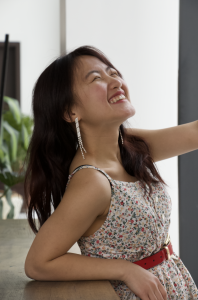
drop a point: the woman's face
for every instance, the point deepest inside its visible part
(94, 84)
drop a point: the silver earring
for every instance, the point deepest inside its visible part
(121, 136)
(79, 137)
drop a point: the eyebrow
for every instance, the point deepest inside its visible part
(95, 71)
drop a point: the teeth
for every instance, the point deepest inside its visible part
(115, 99)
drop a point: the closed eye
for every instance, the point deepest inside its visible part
(114, 74)
(96, 78)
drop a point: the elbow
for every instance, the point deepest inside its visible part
(35, 271)
(29, 271)
(35, 268)
(32, 271)
(34, 274)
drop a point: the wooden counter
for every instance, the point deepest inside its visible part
(16, 238)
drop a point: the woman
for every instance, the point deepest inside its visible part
(117, 208)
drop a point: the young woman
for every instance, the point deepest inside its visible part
(101, 179)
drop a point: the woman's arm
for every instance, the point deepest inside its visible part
(169, 142)
(72, 267)
(87, 196)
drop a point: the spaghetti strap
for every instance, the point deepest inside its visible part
(92, 167)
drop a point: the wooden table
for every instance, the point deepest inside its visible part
(16, 238)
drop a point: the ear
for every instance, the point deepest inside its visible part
(67, 118)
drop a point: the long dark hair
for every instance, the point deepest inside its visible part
(54, 141)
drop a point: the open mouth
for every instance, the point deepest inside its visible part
(117, 98)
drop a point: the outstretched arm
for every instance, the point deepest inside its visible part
(169, 142)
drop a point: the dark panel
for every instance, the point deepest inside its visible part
(188, 112)
(12, 83)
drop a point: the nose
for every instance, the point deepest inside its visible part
(115, 82)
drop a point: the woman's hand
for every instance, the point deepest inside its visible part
(143, 284)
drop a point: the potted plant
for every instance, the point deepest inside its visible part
(16, 130)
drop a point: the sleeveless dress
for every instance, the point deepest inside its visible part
(137, 227)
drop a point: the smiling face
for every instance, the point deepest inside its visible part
(95, 84)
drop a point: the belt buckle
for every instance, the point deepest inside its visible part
(167, 252)
(165, 246)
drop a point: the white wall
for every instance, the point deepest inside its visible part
(141, 39)
(35, 24)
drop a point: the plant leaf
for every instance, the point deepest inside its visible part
(1, 131)
(14, 108)
(6, 157)
(9, 201)
(28, 122)
(4, 166)
(25, 136)
(2, 155)
(14, 134)
(10, 178)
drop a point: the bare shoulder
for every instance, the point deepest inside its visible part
(91, 178)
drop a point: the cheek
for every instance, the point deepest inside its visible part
(98, 92)
(126, 88)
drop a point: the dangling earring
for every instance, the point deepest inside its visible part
(121, 137)
(79, 137)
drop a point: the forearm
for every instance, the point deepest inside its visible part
(72, 267)
(196, 138)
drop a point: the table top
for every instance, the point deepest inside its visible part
(16, 238)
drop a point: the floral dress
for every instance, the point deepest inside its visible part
(137, 227)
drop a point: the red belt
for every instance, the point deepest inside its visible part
(156, 258)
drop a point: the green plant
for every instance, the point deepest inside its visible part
(16, 131)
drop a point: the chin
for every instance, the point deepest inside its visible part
(130, 113)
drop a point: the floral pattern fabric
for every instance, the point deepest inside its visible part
(137, 227)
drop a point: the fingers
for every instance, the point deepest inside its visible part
(153, 297)
(162, 291)
(158, 294)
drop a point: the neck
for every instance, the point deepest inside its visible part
(102, 148)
